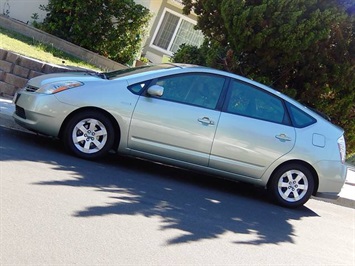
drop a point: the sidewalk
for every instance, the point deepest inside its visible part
(346, 196)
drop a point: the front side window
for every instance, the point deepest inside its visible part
(247, 100)
(175, 30)
(198, 89)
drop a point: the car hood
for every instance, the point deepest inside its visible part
(67, 76)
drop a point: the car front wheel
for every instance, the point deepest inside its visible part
(291, 185)
(89, 135)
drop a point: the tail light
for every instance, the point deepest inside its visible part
(342, 148)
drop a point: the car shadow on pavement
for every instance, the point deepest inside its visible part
(200, 206)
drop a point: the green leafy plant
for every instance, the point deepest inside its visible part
(190, 54)
(144, 60)
(112, 28)
(351, 159)
(35, 18)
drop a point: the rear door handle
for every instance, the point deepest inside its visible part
(283, 137)
(206, 121)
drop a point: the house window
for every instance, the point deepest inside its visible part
(175, 30)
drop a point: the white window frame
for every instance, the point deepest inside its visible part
(181, 18)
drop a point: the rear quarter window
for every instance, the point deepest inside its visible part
(299, 118)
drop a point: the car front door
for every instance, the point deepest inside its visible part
(253, 131)
(181, 123)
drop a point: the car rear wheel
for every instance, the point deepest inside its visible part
(291, 185)
(89, 135)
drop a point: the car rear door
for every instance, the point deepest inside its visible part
(180, 124)
(254, 130)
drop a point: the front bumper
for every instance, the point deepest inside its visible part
(41, 113)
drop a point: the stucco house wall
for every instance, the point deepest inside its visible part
(23, 9)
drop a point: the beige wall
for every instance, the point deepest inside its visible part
(151, 53)
(22, 9)
(152, 5)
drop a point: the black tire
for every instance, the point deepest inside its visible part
(89, 135)
(291, 185)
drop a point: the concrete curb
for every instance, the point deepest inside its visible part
(345, 198)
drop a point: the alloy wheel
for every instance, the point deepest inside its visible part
(293, 185)
(89, 135)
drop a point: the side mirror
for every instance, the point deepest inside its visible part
(156, 91)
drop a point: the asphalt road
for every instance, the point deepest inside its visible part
(58, 209)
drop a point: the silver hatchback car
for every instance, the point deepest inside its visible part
(192, 117)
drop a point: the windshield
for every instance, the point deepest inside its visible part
(135, 70)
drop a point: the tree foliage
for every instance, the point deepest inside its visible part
(190, 54)
(304, 48)
(113, 28)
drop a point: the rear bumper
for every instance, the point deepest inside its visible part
(327, 195)
(332, 176)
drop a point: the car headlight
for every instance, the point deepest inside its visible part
(59, 86)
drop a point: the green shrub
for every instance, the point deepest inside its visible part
(351, 159)
(112, 28)
(189, 54)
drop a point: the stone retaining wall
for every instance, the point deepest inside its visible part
(16, 70)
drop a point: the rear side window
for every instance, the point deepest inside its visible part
(299, 118)
(247, 100)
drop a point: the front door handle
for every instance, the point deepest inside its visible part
(283, 137)
(206, 121)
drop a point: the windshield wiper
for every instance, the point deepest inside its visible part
(97, 74)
